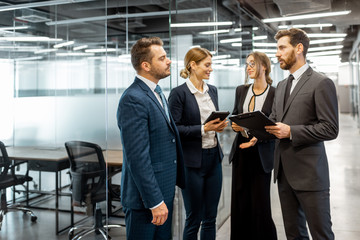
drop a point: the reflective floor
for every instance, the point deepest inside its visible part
(345, 197)
(344, 163)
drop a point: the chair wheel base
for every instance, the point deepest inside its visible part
(33, 218)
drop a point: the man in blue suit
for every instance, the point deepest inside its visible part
(153, 161)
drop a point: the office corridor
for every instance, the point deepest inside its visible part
(344, 163)
(343, 155)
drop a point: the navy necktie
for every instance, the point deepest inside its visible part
(163, 100)
(288, 88)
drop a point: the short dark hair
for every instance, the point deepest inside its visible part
(296, 36)
(140, 51)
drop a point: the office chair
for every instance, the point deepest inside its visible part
(88, 185)
(8, 178)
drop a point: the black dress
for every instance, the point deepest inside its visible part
(251, 174)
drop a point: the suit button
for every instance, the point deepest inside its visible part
(173, 140)
(174, 161)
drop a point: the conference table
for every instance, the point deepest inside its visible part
(54, 159)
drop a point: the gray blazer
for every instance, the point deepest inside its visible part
(312, 113)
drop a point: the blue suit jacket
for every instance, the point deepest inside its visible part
(186, 113)
(152, 155)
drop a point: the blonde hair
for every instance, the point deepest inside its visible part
(260, 59)
(195, 54)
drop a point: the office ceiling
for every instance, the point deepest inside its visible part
(87, 22)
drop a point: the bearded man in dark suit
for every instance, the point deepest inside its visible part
(305, 110)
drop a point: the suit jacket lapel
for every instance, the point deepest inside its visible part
(304, 78)
(213, 99)
(194, 104)
(152, 96)
(268, 103)
(242, 96)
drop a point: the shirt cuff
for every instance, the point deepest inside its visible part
(202, 130)
(152, 208)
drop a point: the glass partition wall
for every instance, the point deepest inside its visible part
(65, 65)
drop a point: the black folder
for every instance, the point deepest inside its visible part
(255, 122)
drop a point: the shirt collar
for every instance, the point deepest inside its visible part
(298, 73)
(194, 90)
(149, 83)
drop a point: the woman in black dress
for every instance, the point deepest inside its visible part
(252, 159)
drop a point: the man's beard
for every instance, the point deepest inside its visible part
(289, 62)
(160, 74)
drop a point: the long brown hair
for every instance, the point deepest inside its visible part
(260, 59)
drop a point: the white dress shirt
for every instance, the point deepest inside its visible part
(152, 86)
(206, 107)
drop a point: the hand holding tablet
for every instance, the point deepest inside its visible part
(217, 114)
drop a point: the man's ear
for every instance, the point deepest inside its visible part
(146, 66)
(299, 48)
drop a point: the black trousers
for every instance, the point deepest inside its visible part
(201, 196)
(250, 199)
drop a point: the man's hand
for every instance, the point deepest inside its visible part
(281, 130)
(160, 214)
(251, 143)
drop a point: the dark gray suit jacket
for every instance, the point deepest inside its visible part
(312, 113)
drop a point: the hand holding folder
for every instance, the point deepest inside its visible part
(255, 122)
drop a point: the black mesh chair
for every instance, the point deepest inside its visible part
(8, 178)
(88, 185)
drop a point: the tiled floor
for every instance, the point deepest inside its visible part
(345, 198)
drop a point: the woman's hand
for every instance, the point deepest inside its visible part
(251, 143)
(215, 125)
(236, 127)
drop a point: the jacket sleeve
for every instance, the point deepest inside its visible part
(326, 108)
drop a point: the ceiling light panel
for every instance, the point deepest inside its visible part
(317, 25)
(305, 16)
(64, 44)
(330, 40)
(201, 24)
(39, 4)
(30, 39)
(326, 35)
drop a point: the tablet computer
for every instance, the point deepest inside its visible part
(217, 114)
